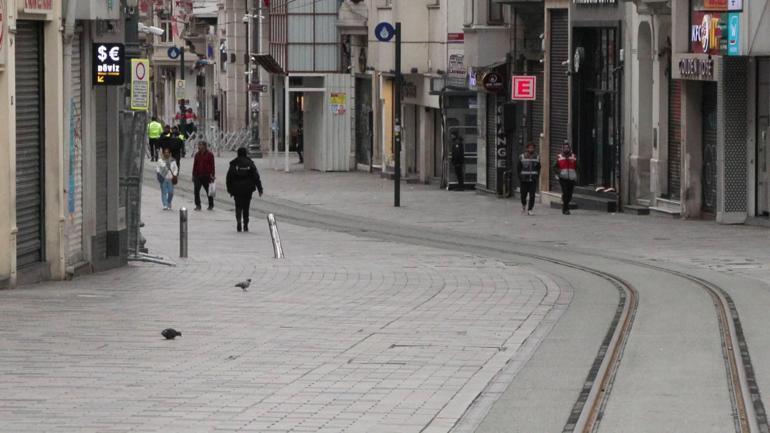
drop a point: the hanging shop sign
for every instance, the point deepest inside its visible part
(707, 32)
(108, 61)
(456, 72)
(524, 88)
(493, 82)
(733, 34)
(734, 5)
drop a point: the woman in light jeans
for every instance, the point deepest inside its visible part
(167, 172)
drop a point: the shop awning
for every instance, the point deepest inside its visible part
(268, 62)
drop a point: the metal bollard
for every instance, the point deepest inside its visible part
(183, 232)
(277, 248)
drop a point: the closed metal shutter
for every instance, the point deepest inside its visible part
(558, 116)
(491, 142)
(674, 138)
(709, 177)
(74, 226)
(30, 200)
(536, 106)
(100, 240)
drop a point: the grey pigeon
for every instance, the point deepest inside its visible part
(171, 333)
(244, 285)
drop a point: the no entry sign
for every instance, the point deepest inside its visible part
(524, 88)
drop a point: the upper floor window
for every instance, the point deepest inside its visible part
(495, 12)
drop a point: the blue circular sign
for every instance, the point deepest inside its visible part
(174, 52)
(384, 32)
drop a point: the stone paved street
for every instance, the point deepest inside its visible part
(346, 334)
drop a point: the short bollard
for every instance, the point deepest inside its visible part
(277, 248)
(183, 232)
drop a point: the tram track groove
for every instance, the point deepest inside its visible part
(748, 409)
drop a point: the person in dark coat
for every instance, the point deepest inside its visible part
(242, 181)
(458, 158)
(529, 174)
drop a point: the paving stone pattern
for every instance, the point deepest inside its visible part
(345, 335)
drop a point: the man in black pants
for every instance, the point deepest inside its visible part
(242, 181)
(566, 171)
(529, 173)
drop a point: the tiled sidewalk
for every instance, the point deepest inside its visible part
(346, 334)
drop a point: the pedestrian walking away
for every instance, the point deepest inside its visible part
(529, 174)
(167, 172)
(154, 132)
(175, 143)
(242, 181)
(458, 159)
(203, 174)
(566, 170)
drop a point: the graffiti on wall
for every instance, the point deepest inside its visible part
(74, 155)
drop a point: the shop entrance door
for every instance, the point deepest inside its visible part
(763, 139)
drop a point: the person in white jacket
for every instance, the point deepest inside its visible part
(167, 172)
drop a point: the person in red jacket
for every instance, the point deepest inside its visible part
(203, 173)
(566, 171)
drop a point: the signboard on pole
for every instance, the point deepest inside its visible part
(108, 64)
(180, 89)
(384, 32)
(140, 84)
(524, 88)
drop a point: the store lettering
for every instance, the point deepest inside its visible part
(706, 33)
(39, 4)
(696, 68)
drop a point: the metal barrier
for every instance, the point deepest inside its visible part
(183, 232)
(218, 141)
(277, 248)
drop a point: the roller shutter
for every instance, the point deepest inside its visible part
(558, 116)
(674, 138)
(709, 177)
(491, 117)
(100, 241)
(30, 200)
(74, 225)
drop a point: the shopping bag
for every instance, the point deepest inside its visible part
(213, 189)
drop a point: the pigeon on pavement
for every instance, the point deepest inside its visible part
(171, 333)
(244, 285)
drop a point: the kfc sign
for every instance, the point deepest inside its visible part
(705, 33)
(524, 88)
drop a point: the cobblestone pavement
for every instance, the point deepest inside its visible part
(346, 334)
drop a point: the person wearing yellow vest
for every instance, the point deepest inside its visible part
(566, 170)
(154, 131)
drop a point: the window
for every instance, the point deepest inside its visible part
(495, 13)
(468, 15)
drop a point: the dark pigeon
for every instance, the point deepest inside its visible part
(171, 333)
(244, 285)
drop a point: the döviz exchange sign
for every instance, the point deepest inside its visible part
(108, 67)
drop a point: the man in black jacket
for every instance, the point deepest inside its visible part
(458, 158)
(242, 181)
(529, 173)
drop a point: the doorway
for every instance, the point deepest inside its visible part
(595, 86)
(763, 141)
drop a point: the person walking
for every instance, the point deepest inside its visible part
(566, 169)
(529, 174)
(176, 145)
(203, 173)
(458, 158)
(167, 172)
(154, 131)
(242, 181)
